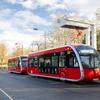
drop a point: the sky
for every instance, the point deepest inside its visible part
(19, 18)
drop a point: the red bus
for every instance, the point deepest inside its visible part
(72, 63)
(18, 64)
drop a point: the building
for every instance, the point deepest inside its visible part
(85, 31)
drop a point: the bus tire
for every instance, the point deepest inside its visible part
(62, 76)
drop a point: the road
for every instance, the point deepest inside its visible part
(24, 87)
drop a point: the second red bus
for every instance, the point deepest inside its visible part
(18, 64)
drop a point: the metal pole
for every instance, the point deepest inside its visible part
(16, 46)
(64, 37)
(22, 49)
(45, 40)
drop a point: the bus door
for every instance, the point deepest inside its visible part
(24, 64)
(18, 65)
(73, 69)
(46, 64)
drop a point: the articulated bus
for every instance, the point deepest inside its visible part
(18, 64)
(72, 63)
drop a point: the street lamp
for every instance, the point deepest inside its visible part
(35, 28)
(45, 43)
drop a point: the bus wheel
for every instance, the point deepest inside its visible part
(62, 76)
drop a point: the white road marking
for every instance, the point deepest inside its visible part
(10, 98)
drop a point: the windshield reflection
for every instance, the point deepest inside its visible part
(90, 61)
(90, 58)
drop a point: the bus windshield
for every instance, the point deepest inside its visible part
(24, 61)
(90, 58)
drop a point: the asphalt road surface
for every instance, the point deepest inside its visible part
(25, 87)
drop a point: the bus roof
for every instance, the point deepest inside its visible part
(56, 49)
(52, 50)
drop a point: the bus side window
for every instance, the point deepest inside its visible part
(62, 59)
(76, 62)
(9, 63)
(13, 64)
(41, 62)
(54, 60)
(35, 61)
(31, 62)
(73, 62)
(18, 63)
(47, 62)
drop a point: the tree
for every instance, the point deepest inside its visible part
(63, 36)
(98, 39)
(3, 54)
(35, 46)
(98, 27)
(18, 50)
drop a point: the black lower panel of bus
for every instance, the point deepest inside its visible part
(48, 70)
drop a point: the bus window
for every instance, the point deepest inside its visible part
(9, 63)
(18, 63)
(90, 61)
(24, 61)
(54, 60)
(35, 61)
(14, 64)
(90, 58)
(41, 62)
(62, 59)
(31, 62)
(73, 62)
(47, 62)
